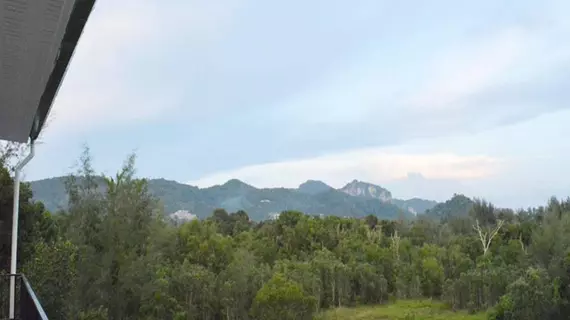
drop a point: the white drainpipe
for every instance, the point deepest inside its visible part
(15, 217)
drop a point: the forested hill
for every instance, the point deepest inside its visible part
(356, 199)
(459, 205)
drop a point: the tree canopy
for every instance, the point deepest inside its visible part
(112, 254)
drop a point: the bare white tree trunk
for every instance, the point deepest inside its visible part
(522, 243)
(486, 236)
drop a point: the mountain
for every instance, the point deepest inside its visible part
(458, 206)
(314, 187)
(367, 190)
(312, 197)
(371, 191)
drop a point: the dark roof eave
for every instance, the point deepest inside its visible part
(77, 20)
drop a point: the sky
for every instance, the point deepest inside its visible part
(424, 98)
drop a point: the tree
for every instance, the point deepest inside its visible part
(53, 272)
(531, 297)
(35, 223)
(239, 284)
(113, 255)
(282, 299)
(194, 288)
(486, 235)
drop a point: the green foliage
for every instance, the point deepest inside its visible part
(282, 299)
(112, 255)
(532, 296)
(458, 206)
(93, 314)
(53, 272)
(35, 224)
(401, 310)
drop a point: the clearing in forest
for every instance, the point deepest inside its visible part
(401, 310)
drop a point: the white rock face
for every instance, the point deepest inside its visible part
(363, 189)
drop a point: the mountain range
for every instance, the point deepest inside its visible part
(355, 199)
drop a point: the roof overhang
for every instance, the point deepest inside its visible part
(37, 41)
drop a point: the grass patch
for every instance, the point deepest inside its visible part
(400, 310)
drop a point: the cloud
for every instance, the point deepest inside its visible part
(142, 60)
(515, 165)
(116, 76)
(377, 165)
(476, 82)
(435, 79)
(472, 68)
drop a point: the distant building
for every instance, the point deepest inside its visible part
(183, 215)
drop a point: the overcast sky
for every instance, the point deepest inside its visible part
(426, 98)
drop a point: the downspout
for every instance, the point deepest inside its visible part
(15, 217)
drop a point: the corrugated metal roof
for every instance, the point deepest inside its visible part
(37, 40)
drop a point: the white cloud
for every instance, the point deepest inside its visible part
(377, 165)
(115, 75)
(435, 84)
(471, 68)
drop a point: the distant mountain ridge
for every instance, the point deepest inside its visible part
(356, 199)
(314, 187)
(367, 190)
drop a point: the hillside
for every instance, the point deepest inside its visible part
(356, 199)
(459, 205)
(367, 190)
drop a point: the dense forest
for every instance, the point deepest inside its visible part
(114, 255)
